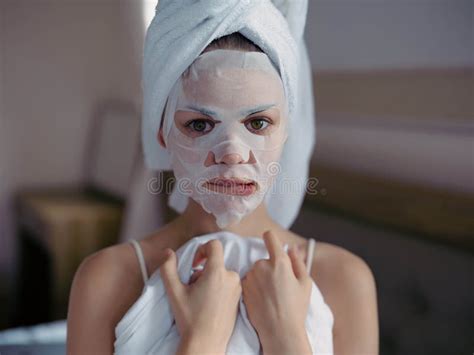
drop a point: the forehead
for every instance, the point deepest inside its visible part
(233, 88)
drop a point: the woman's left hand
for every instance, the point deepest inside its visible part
(276, 293)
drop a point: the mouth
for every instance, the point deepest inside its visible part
(232, 186)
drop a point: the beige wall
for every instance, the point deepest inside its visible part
(388, 34)
(59, 59)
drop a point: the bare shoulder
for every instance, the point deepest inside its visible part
(106, 271)
(348, 287)
(109, 274)
(334, 267)
(338, 267)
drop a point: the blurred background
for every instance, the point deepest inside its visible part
(394, 157)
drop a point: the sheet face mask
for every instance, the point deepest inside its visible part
(230, 87)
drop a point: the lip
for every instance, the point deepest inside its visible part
(232, 186)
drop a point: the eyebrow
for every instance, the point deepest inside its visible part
(257, 109)
(245, 112)
(202, 110)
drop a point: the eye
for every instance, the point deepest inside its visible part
(257, 124)
(199, 126)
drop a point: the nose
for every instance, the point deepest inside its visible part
(229, 159)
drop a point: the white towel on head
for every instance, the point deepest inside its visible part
(179, 32)
(148, 327)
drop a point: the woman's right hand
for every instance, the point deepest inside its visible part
(206, 309)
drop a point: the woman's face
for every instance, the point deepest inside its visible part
(229, 126)
(240, 105)
(253, 99)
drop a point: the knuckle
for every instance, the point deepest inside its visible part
(261, 263)
(234, 276)
(217, 275)
(282, 261)
(307, 280)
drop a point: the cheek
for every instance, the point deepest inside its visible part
(187, 155)
(266, 157)
(275, 155)
(184, 148)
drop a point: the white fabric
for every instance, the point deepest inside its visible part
(148, 326)
(141, 258)
(177, 35)
(44, 333)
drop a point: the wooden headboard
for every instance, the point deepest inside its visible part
(424, 96)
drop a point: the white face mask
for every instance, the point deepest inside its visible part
(226, 118)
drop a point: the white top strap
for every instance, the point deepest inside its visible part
(309, 257)
(141, 259)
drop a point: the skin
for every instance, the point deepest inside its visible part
(208, 305)
(276, 291)
(345, 280)
(286, 287)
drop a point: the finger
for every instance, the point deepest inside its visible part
(169, 274)
(212, 251)
(199, 257)
(195, 276)
(273, 244)
(297, 263)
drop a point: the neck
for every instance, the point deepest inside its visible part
(196, 221)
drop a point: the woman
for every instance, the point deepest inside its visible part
(276, 291)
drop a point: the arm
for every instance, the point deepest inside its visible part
(277, 294)
(352, 297)
(206, 308)
(349, 289)
(191, 345)
(294, 341)
(92, 317)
